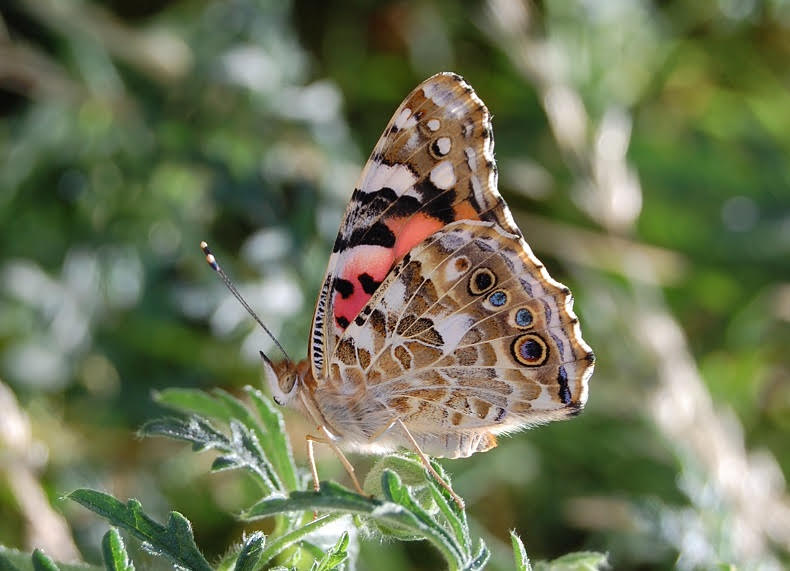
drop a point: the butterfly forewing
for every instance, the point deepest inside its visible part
(433, 165)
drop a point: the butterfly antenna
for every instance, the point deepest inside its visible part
(212, 261)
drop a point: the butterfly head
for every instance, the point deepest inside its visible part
(283, 379)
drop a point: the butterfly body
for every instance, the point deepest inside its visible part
(435, 315)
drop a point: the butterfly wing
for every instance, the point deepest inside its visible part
(467, 337)
(432, 166)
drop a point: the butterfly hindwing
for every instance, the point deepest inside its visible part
(467, 337)
(432, 166)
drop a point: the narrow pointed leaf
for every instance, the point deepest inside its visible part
(331, 497)
(195, 430)
(519, 553)
(221, 463)
(174, 541)
(277, 446)
(251, 552)
(461, 514)
(245, 444)
(480, 559)
(454, 522)
(398, 493)
(42, 562)
(114, 552)
(334, 557)
(241, 450)
(284, 542)
(241, 414)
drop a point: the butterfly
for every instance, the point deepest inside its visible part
(436, 327)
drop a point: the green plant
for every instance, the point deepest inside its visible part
(407, 505)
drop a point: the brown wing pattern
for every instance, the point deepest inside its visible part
(467, 337)
(433, 165)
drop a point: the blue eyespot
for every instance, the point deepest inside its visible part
(523, 317)
(498, 298)
(530, 350)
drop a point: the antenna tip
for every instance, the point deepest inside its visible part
(210, 259)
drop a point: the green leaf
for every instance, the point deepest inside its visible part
(519, 553)
(395, 491)
(580, 561)
(334, 557)
(193, 401)
(241, 450)
(422, 487)
(276, 445)
(114, 552)
(5, 562)
(284, 542)
(196, 430)
(412, 473)
(251, 552)
(330, 497)
(241, 414)
(15, 560)
(41, 562)
(175, 540)
(401, 512)
(479, 561)
(453, 516)
(415, 508)
(246, 449)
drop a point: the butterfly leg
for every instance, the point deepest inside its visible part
(339, 453)
(376, 435)
(309, 438)
(427, 463)
(311, 459)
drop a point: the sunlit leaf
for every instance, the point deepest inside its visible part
(174, 540)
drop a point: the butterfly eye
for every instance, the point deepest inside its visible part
(530, 350)
(481, 281)
(523, 317)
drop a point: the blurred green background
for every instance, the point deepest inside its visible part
(644, 147)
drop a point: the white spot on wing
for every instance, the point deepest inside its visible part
(544, 401)
(453, 329)
(395, 295)
(436, 93)
(405, 119)
(443, 175)
(434, 124)
(451, 272)
(471, 158)
(453, 241)
(443, 145)
(413, 142)
(364, 338)
(397, 177)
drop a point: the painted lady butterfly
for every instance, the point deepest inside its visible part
(436, 327)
